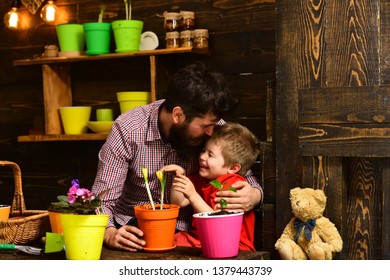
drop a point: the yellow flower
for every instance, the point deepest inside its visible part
(145, 174)
(160, 175)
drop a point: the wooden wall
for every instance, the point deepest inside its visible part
(332, 116)
(242, 42)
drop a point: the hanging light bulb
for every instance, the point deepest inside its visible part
(48, 12)
(11, 19)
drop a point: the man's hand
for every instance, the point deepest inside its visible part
(128, 238)
(176, 169)
(246, 197)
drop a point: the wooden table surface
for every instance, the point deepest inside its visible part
(179, 253)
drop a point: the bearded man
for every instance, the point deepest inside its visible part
(169, 131)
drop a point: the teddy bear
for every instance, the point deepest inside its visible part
(308, 235)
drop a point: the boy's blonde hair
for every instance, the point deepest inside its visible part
(238, 145)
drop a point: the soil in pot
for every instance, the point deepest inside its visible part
(222, 212)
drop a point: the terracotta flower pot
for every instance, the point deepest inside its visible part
(4, 212)
(158, 226)
(55, 222)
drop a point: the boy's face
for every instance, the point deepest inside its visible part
(211, 161)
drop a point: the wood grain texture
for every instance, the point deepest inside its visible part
(335, 50)
(356, 53)
(384, 47)
(287, 54)
(385, 246)
(178, 253)
(364, 221)
(355, 105)
(57, 92)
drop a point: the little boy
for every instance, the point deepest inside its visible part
(227, 156)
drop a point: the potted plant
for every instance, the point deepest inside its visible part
(98, 35)
(127, 33)
(219, 232)
(157, 221)
(82, 224)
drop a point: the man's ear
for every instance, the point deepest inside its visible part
(234, 168)
(178, 115)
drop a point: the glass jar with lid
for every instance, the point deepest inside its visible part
(171, 21)
(186, 38)
(187, 20)
(201, 38)
(172, 39)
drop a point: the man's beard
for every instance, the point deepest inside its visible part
(187, 147)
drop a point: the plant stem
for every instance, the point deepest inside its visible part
(150, 195)
(145, 175)
(162, 199)
(127, 9)
(102, 8)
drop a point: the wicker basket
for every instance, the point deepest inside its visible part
(23, 226)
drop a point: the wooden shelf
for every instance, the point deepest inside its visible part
(57, 88)
(40, 61)
(62, 137)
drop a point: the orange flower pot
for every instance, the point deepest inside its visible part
(158, 226)
(55, 222)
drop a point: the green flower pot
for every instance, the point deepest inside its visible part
(127, 34)
(71, 37)
(97, 37)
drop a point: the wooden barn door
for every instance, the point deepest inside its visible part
(333, 115)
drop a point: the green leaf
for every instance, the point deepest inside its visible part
(223, 203)
(217, 184)
(62, 204)
(63, 198)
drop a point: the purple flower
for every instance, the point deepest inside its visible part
(76, 183)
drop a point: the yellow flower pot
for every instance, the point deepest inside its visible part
(83, 235)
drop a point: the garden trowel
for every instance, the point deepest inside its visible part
(27, 249)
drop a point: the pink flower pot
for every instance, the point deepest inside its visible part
(219, 234)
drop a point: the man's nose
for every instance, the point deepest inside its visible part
(209, 130)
